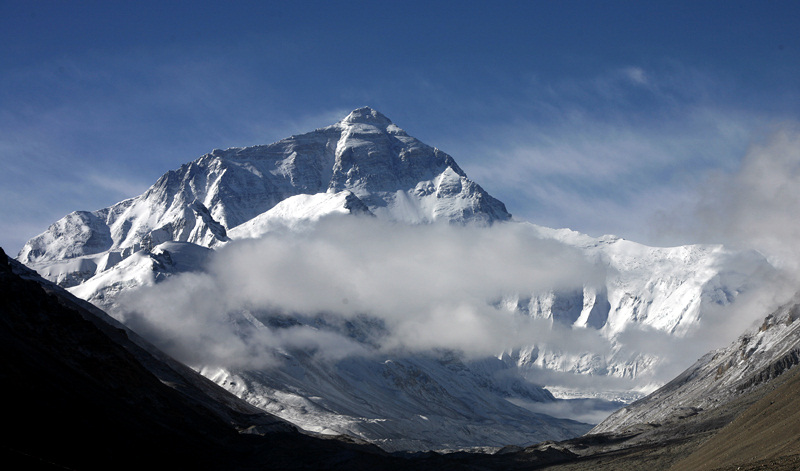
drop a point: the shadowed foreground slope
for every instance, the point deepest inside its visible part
(86, 396)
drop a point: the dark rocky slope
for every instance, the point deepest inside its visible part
(81, 394)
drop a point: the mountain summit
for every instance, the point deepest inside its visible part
(388, 173)
(367, 115)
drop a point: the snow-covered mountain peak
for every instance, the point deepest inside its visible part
(367, 115)
(393, 175)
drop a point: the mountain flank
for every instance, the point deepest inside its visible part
(737, 408)
(766, 434)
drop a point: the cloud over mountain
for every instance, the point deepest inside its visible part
(428, 284)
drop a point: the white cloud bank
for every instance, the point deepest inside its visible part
(426, 287)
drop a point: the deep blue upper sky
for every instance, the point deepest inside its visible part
(589, 115)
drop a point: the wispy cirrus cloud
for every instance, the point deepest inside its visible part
(606, 153)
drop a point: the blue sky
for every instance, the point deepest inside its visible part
(599, 116)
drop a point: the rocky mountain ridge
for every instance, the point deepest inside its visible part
(759, 355)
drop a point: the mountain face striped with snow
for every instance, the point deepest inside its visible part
(383, 170)
(365, 165)
(661, 289)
